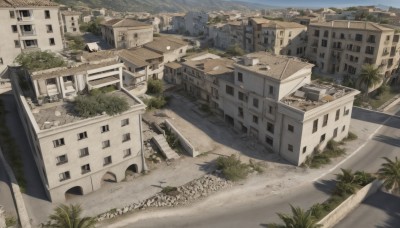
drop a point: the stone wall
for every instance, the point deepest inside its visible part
(349, 204)
(2, 217)
(184, 142)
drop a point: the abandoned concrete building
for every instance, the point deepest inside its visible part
(75, 154)
(272, 98)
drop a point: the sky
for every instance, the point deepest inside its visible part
(326, 3)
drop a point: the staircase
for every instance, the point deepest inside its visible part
(165, 149)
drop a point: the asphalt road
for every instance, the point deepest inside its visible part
(385, 143)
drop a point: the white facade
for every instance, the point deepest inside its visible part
(70, 22)
(76, 155)
(27, 28)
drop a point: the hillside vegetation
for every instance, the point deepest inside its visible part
(155, 6)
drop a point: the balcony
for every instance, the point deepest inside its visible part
(28, 33)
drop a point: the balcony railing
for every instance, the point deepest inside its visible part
(28, 33)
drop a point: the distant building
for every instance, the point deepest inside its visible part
(278, 37)
(273, 100)
(341, 48)
(70, 21)
(126, 33)
(192, 23)
(74, 154)
(28, 25)
(226, 35)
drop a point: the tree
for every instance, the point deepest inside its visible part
(154, 87)
(346, 183)
(69, 217)
(235, 50)
(39, 60)
(298, 219)
(346, 176)
(390, 174)
(369, 77)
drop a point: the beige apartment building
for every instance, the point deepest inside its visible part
(70, 21)
(74, 154)
(126, 33)
(341, 48)
(278, 37)
(272, 99)
(28, 25)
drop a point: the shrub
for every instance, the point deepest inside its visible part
(235, 50)
(88, 106)
(154, 87)
(75, 42)
(232, 168)
(256, 166)
(39, 60)
(363, 178)
(168, 190)
(156, 102)
(320, 159)
(351, 136)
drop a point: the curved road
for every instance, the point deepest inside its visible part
(384, 143)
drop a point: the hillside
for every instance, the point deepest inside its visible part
(161, 5)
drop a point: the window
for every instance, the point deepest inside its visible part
(127, 153)
(14, 28)
(271, 90)
(326, 33)
(240, 77)
(343, 128)
(105, 128)
(359, 37)
(304, 149)
(290, 147)
(337, 115)
(269, 140)
(255, 102)
(324, 43)
(335, 132)
(30, 43)
(290, 128)
(64, 176)
(322, 138)
(17, 43)
(346, 111)
(107, 160)
(229, 90)
(52, 42)
(315, 126)
(85, 168)
(49, 29)
(371, 39)
(124, 122)
(126, 137)
(316, 33)
(82, 135)
(106, 144)
(84, 152)
(1, 60)
(241, 96)
(61, 159)
(47, 14)
(270, 127)
(270, 109)
(12, 14)
(240, 112)
(369, 50)
(58, 142)
(255, 119)
(325, 122)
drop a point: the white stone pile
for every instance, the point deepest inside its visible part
(183, 195)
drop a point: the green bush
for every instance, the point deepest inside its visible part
(319, 159)
(154, 87)
(75, 42)
(89, 106)
(232, 168)
(11, 221)
(168, 190)
(351, 136)
(39, 60)
(156, 102)
(235, 50)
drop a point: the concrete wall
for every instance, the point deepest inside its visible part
(2, 217)
(184, 142)
(349, 204)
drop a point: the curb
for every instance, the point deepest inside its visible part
(19, 201)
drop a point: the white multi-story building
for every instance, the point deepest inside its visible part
(74, 154)
(71, 21)
(272, 99)
(28, 25)
(341, 48)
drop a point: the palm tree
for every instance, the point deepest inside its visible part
(346, 182)
(390, 174)
(346, 176)
(69, 217)
(299, 219)
(369, 77)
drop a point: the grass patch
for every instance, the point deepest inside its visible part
(39, 60)
(232, 168)
(11, 221)
(158, 102)
(93, 105)
(332, 150)
(350, 137)
(171, 191)
(256, 166)
(378, 100)
(11, 150)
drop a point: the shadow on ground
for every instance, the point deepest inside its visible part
(375, 117)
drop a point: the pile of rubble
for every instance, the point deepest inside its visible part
(182, 195)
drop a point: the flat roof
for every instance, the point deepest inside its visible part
(173, 65)
(316, 94)
(63, 112)
(212, 66)
(274, 66)
(125, 22)
(347, 24)
(165, 44)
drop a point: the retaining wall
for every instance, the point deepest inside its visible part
(184, 142)
(349, 204)
(2, 217)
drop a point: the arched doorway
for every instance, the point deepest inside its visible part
(73, 192)
(109, 177)
(130, 172)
